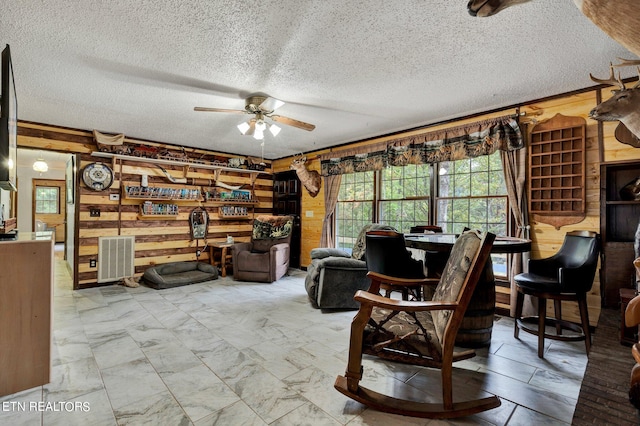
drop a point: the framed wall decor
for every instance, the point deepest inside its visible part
(97, 176)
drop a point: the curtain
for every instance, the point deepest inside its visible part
(331, 190)
(455, 143)
(514, 165)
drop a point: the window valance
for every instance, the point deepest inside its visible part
(455, 143)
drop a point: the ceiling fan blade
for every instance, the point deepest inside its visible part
(292, 122)
(270, 104)
(235, 111)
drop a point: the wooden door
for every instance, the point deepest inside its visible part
(49, 206)
(287, 199)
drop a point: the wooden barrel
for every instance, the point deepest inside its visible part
(476, 327)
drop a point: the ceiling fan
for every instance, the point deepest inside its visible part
(261, 107)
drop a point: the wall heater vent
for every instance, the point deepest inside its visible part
(115, 258)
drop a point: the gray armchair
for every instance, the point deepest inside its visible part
(266, 257)
(334, 276)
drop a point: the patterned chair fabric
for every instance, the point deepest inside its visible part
(422, 332)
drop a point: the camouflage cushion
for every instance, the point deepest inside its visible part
(271, 227)
(418, 329)
(453, 276)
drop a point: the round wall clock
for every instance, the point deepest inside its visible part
(97, 176)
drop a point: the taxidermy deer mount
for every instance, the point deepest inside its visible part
(310, 178)
(620, 19)
(624, 105)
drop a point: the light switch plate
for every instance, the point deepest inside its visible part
(114, 197)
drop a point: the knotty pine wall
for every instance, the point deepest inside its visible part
(546, 240)
(156, 241)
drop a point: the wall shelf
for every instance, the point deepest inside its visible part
(158, 210)
(161, 193)
(557, 175)
(157, 216)
(231, 201)
(618, 226)
(177, 163)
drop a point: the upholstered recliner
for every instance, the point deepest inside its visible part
(334, 276)
(266, 257)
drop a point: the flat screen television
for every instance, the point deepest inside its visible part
(8, 125)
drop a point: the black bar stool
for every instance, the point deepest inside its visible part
(567, 275)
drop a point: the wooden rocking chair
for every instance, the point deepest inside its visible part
(421, 333)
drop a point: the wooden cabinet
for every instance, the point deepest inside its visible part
(26, 286)
(618, 224)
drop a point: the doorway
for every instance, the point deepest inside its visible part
(48, 207)
(287, 200)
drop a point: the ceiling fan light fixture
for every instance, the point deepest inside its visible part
(274, 129)
(40, 166)
(243, 127)
(260, 125)
(258, 134)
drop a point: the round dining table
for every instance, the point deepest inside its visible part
(477, 325)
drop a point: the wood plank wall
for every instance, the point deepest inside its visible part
(546, 239)
(156, 241)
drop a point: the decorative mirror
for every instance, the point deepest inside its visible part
(199, 223)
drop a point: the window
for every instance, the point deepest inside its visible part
(404, 196)
(354, 208)
(47, 199)
(470, 193)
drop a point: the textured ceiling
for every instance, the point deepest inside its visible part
(355, 69)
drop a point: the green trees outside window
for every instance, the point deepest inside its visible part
(452, 194)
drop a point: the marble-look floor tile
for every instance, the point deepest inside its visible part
(306, 415)
(15, 409)
(131, 382)
(339, 407)
(72, 380)
(526, 417)
(556, 383)
(533, 397)
(157, 409)
(116, 348)
(91, 409)
(269, 397)
(238, 414)
(199, 391)
(231, 353)
(171, 357)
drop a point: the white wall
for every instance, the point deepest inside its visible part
(70, 228)
(5, 201)
(26, 173)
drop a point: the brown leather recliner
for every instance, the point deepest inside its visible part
(266, 257)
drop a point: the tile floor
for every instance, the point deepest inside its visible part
(236, 353)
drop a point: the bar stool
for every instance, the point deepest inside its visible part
(567, 275)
